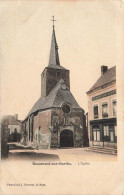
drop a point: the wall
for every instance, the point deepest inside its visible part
(48, 124)
(74, 121)
(99, 102)
(41, 137)
(108, 99)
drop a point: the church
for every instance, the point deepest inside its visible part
(56, 120)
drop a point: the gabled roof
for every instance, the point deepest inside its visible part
(55, 98)
(108, 77)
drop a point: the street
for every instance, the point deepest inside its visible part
(19, 152)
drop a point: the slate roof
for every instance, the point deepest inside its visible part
(54, 61)
(108, 77)
(55, 98)
(54, 56)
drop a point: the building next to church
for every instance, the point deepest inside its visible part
(10, 132)
(56, 119)
(14, 127)
(102, 115)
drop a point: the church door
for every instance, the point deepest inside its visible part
(66, 138)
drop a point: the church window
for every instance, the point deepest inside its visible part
(66, 108)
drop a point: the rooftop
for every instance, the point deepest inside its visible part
(56, 97)
(108, 77)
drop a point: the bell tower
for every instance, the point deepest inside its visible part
(54, 71)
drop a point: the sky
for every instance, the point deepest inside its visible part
(87, 36)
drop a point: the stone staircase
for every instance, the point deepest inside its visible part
(107, 150)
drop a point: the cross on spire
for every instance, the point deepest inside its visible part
(54, 56)
(53, 21)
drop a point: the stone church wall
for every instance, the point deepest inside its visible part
(41, 131)
(48, 125)
(74, 121)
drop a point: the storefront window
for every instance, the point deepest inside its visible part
(111, 133)
(115, 134)
(106, 133)
(115, 130)
(96, 133)
(112, 136)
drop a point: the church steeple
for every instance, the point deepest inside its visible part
(54, 72)
(54, 56)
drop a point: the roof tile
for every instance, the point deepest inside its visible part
(107, 77)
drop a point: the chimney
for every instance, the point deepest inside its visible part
(16, 116)
(103, 69)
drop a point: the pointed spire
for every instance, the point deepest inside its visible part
(54, 56)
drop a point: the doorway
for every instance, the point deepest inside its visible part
(66, 138)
